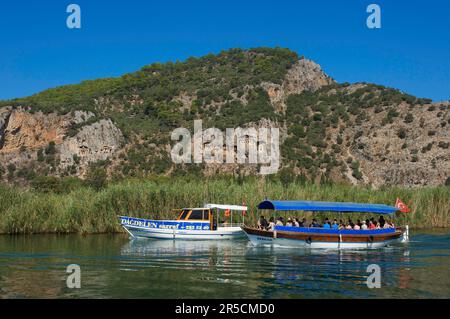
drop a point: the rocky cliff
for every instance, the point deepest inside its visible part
(27, 138)
(360, 133)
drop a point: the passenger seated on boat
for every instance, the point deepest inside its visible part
(377, 226)
(335, 225)
(262, 223)
(388, 225)
(381, 221)
(271, 224)
(359, 223)
(350, 222)
(348, 226)
(289, 222)
(314, 223)
(296, 222)
(363, 225)
(279, 221)
(326, 224)
(371, 225)
(356, 227)
(303, 223)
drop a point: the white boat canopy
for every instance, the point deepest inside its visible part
(230, 207)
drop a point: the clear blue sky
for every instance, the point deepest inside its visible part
(410, 52)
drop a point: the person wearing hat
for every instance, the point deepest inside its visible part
(363, 225)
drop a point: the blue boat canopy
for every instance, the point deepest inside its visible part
(327, 206)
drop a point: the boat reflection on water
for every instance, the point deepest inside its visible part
(338, 273)
(181, 254)
(294, 272)
(146, 247)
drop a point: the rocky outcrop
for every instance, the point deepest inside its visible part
(409, 154)
(305, 75)
(96, 142)
(23, 134)
(5, 113)
(21, 130)
(360, 133)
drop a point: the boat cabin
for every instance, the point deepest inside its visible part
(211, 213)
(198, 215)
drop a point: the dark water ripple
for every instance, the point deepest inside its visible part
(114, 266)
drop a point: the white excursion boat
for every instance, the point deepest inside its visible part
(192, 223)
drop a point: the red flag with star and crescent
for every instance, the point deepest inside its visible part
(402, 206)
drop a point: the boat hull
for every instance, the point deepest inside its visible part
(322, 240)
(222, 233)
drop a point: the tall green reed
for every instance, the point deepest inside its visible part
(85, 210)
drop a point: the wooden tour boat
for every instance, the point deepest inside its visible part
(313, 237)
(192, 223)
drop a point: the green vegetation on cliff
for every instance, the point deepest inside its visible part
(356, 133)
(211, 77)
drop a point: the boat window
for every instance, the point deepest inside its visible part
(184, 214)
(199, 215)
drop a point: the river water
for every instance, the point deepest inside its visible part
(113, 266)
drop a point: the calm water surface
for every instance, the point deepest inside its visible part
(115, 267)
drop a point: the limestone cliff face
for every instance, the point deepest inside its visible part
(23, 134)
(93, 143)
(361, 134)
(305, 75)
(5, 113)
(410, 154)
(20, 129)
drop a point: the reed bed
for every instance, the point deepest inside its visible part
(86, 211)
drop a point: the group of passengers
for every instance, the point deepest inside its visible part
(326, 224)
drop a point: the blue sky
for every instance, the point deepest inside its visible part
(410, 52)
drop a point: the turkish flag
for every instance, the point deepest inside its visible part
(402, 206)
(244, 212)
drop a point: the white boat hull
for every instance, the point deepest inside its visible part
(222, 233)
(292, 243)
